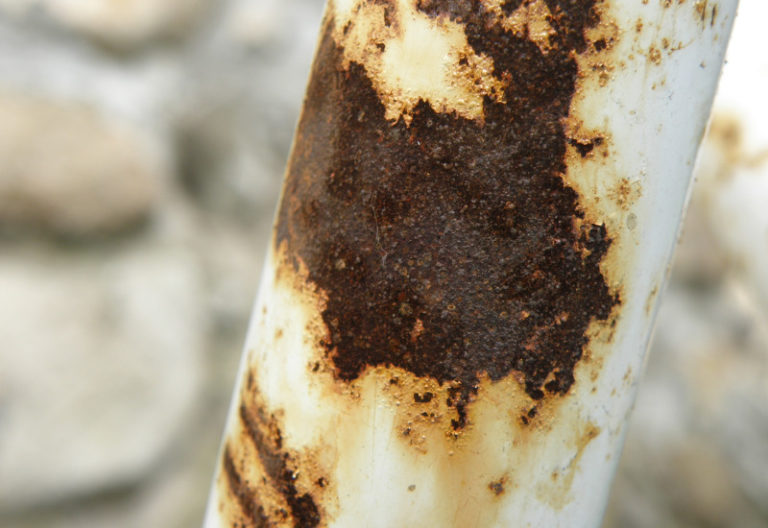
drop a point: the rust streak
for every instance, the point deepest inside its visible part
(245, 496)
(276, 466)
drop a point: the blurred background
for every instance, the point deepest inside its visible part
(142, 145)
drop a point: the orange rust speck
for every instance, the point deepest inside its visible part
(654, 55)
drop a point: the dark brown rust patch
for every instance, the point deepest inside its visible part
(528, 416)
(497, 487)
(585, 147)
(449, 247)
(600, 44)
(423, 398)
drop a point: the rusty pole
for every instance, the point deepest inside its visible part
(476, 221)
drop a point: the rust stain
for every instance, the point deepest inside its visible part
(627, 379)
(267, 439)
(253, 512)
(706, 11)
(450, 265)
(558, 492)
(651, 301)
(445, 226)
(625, 193)
(409, 57)
(701, 8)
(497, 486)
(585, 146)
(526, 19)
(654, 55)
(263, 475)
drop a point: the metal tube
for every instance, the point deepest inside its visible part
(476, 221)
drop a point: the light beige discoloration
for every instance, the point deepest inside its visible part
(558, 492)
(409, 57)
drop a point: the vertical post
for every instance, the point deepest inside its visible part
(476, 221)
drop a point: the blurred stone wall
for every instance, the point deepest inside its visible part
(142, 145)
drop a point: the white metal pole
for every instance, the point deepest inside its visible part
(477, 218)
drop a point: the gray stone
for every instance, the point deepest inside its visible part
(695, 451)
(102, 361)
(121, 24)
(65, 168)
(235, 127)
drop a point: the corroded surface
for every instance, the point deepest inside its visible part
(266, 486)
(448, 271)
(449, 246)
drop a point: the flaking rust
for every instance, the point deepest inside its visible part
(447, 272)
